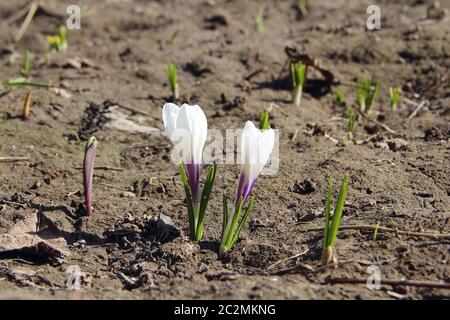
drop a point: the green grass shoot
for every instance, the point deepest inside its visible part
(259, 19)
(26, 63)
(394, 95)
(340, 97)
(298, 74)
(302, 4)
(264, 120)
(366, 93)
(58, 42)
(375, 232)
(332, 222)
(171, 74)
(352, 121)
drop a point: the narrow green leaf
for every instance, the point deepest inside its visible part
(264, 120)
(225, 216)
(328, 212)
(372, 94)
(204, 200)
(375, 232)
(21, 82)
(243, 221)
(26, 62)
(337, 215)
(237, 213)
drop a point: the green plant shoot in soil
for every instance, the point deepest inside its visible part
(394, 95)
(352, 121)
(264, 120)
(58, 42)
(171, 74)
(259, 19)
(340, 97)
(332, 222)
(366, 93)
(298, 74)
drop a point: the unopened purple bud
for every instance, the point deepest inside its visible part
(88, 172)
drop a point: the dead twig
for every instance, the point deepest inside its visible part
(392, 282)
(382, 125)
(287, 259)
(13, 159)
(23, 28)
(298, 266)
(19, 14)
(367, 227)
(417, 109)
(14, 203)
(294, 136)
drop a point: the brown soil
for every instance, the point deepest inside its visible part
(399, 180)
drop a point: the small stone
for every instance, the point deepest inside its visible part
(127, 194)
(304, 187)
(36, 185)
(397, 144)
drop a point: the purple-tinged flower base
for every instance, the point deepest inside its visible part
(88, 175)
(244, 188)
(193, 174)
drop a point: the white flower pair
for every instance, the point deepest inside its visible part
(189, 123)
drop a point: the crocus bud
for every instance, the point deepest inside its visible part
(256, 147)
(88, 172)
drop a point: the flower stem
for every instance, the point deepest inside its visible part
(298, 95)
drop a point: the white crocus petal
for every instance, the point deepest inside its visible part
(186, 125)
(256, 147)
(170, 114)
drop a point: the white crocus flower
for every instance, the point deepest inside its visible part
(187, 126)
(256, 147)
(188, 123)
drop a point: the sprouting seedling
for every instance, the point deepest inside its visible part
(366, 93)
(394, 95)
(352, 121)
(171, 74)
(332, 222)
(58, 42)
(259, 19)
(264, 120)
(256, 144)
(375, 232)
(26, 64)
(88, 172)
(26, 106)
(340, 97)
(302, 6)
(298, 74)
